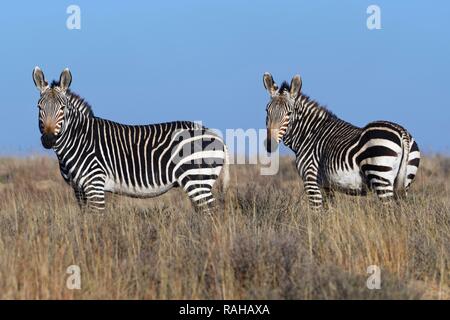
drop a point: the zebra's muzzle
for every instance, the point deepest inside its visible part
(48, 140)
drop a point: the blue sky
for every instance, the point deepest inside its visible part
(148, 62)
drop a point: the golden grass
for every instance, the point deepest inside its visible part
(264, 242)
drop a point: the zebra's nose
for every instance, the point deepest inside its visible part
(48, 140)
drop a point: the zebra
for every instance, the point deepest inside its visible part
(96, 155)
(334, 155)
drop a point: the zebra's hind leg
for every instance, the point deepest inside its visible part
(199, 191)
(197, 182)
(201, 196)
(383, 187)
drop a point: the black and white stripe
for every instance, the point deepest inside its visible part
(98, 155)
(332, 154)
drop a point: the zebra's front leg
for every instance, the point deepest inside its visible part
(80, 196)
(329, 198)
(313, 192)
(94, 192)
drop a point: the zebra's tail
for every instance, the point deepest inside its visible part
(226, 169)
(400, 181)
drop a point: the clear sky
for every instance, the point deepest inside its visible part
(154, 61)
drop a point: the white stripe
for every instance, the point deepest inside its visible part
(198, 155)
(202, 171)
(201, 196)
(414, 155)
(193, 182)
(194, 191)
(381, 142)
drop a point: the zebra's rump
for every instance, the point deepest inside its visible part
(382, 154)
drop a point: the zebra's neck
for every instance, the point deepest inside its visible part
(76, 130)
(311, 123)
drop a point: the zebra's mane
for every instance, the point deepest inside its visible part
(284, 87)
(315, 106)
(305, 99)
(80, 104)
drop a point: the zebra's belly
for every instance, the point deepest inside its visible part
(136, 191)
(346, 180)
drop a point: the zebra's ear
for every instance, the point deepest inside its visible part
(39, 79)
(65, 79)
(269, 84)
(296, 86)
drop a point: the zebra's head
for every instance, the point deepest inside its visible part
(279, 108)
(52, 105)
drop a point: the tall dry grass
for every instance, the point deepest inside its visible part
(263, 243)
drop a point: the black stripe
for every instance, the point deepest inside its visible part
(379, 134)
(378, 184)
(373, 176)
(375, 151)
(373, 167)
(414, 162)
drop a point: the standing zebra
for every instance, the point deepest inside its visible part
(97, 155)
(332, 154)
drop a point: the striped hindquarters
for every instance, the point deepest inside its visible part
(197, 162)
(387, 156)
(413, 163)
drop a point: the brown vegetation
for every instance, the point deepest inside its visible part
(263, 243)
